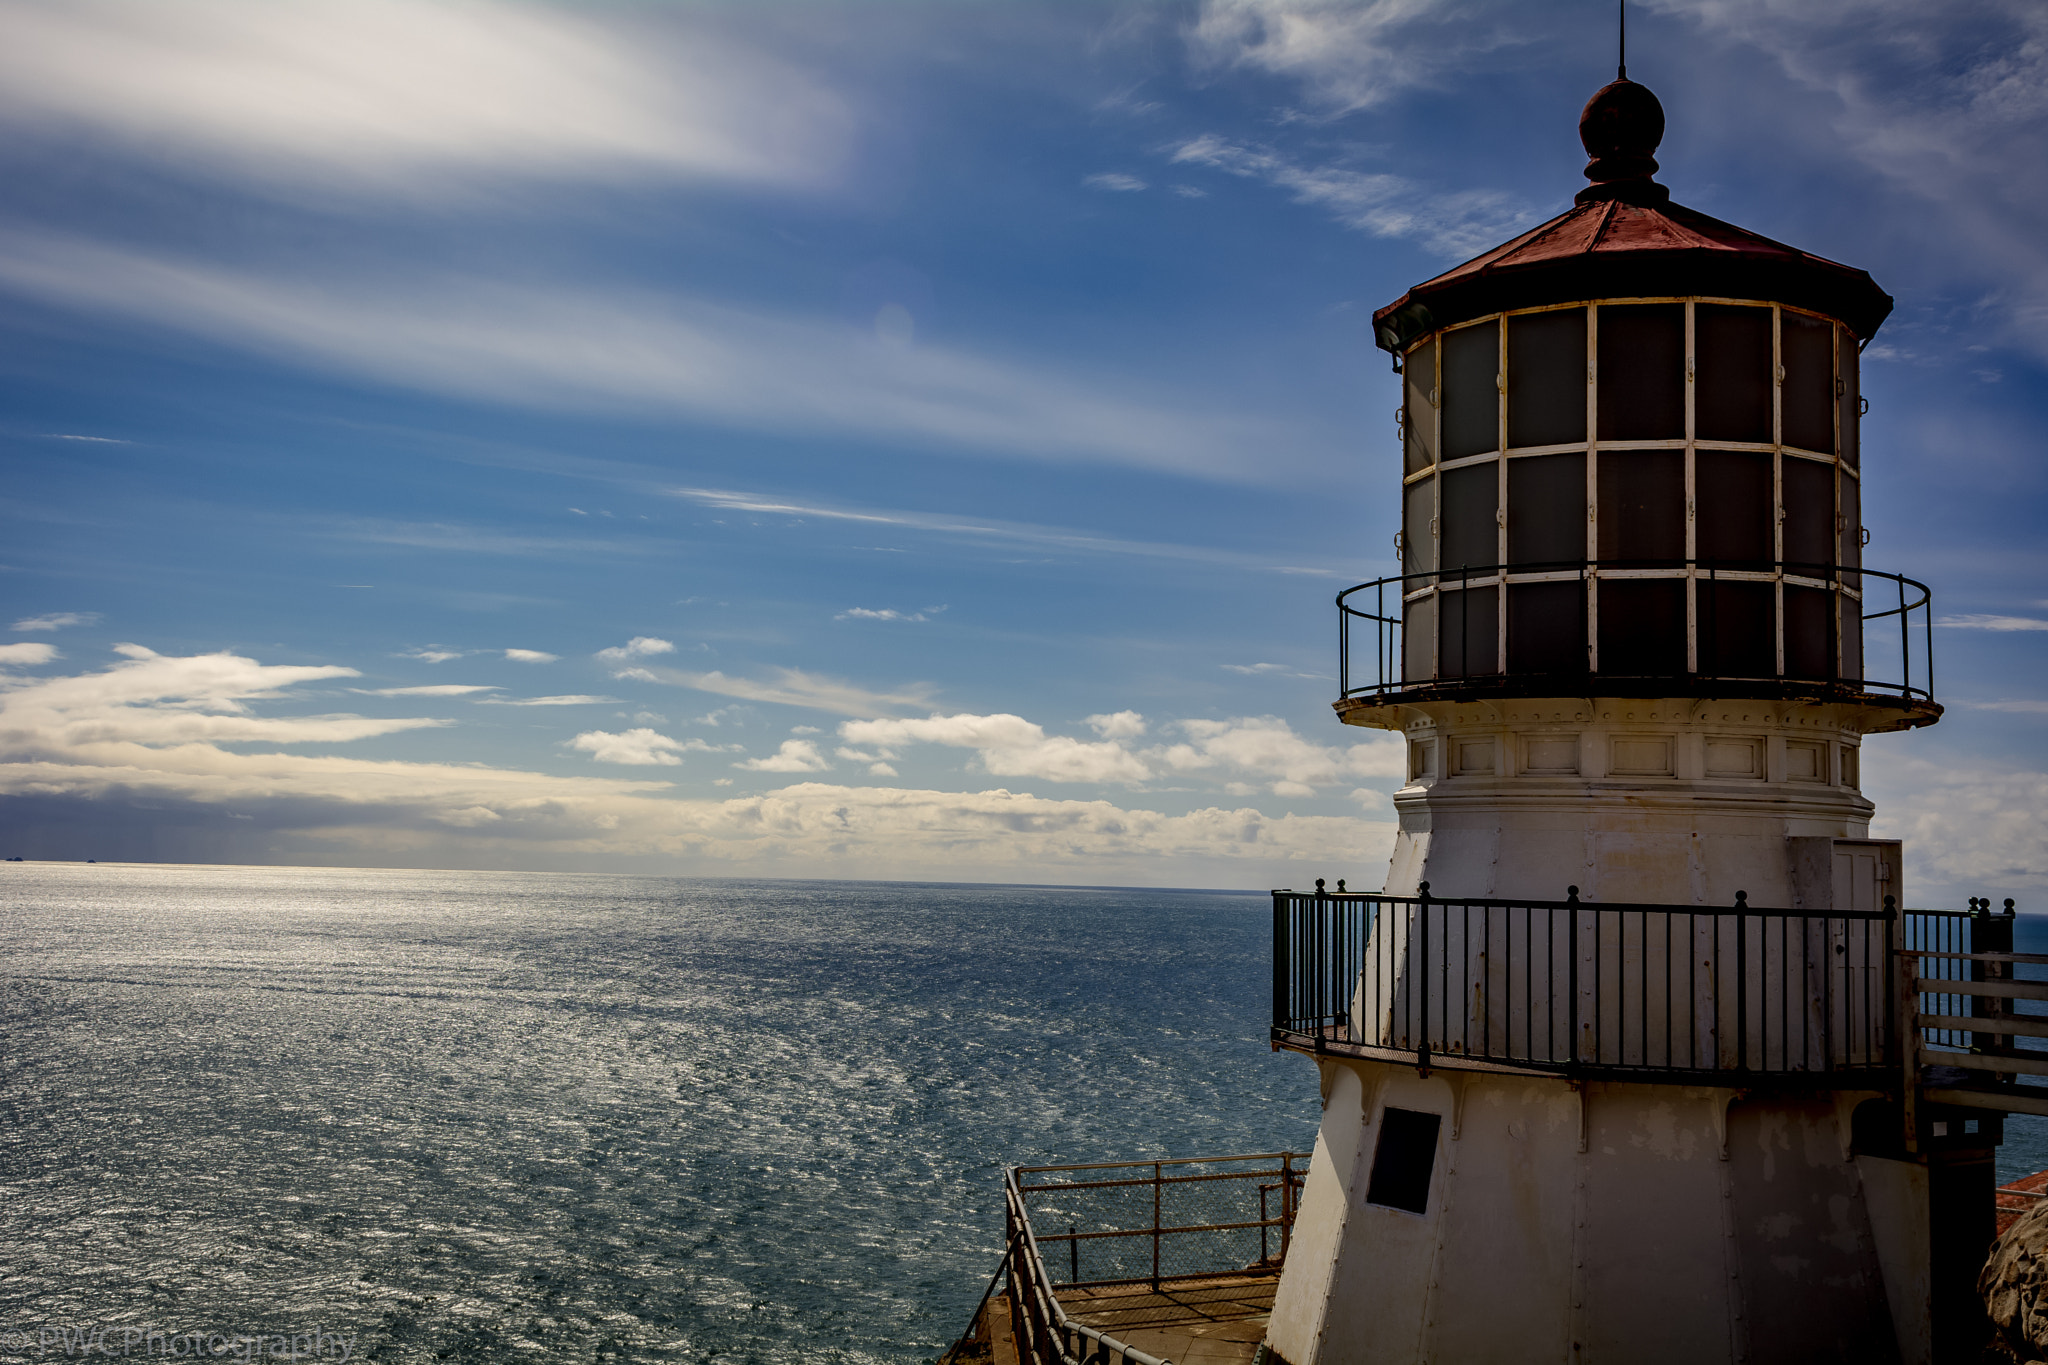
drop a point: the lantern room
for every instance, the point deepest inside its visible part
(1629, 452)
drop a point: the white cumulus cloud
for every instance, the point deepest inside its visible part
(531, 656)
(27, 654)
(638, 747)
(795, 756)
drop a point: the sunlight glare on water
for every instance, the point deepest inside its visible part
(487, 1116)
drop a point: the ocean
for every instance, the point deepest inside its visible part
(460, 1116)
(455, 1116)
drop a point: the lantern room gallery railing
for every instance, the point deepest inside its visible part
(1693, 994)
(1777, 627)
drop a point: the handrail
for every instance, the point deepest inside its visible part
(1393, 596)
(1046, 1334)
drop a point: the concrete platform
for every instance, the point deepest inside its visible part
(1213, 1321)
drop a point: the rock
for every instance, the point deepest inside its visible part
(2014, 1284)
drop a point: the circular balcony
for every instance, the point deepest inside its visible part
(1640, 628)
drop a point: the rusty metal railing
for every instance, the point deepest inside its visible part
(1132, 1223)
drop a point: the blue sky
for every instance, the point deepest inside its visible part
(885, 439)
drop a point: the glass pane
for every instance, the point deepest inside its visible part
(1731, 348)
(1850, 395)
(1738, 630)
(1547, 378)
(1850, 553)
(1642, 505)
(1418, 641)
(1547, 509)
(1547, 628)
(1642, 627)
(1418, 546)
(1420, 426)
(1851, 613)
(1471, 390)
(1807, 345)
(1733, 502)
(1468, 633)
(1642, 372)
(1809, 633)
(1809, 491)
(1470, 517)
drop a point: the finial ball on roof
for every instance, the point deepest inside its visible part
(1621, 127)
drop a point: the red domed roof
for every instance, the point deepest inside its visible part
(1625, 239)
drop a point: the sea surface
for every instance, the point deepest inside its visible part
(461, 1116)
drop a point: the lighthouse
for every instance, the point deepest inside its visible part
(1618, 1066)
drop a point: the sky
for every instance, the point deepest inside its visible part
(883, 439)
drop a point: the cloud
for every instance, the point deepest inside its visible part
(27, 654)
(795, 756)
(644, 748)
(1266, 750)
(531, 656)
(880, 769)
(1118, 725)
(426, 100)
(1114, 180)
(1264, 670)
(2002, 623)
(99, 766)
(156, 700)
(1005, 533)
(603, 349)
(639, 647)
(885, 614)
(432, 690)
(791, 687)
(1005, 745)
(1452, 223)
(1344, 55)
(431, 656)
(1971, 828)
(2016, 707)
(1941, 101)
(568, 699)
(1246, 753)
(57, 620)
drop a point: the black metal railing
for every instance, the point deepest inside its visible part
(1475, 633)
(1684, 993)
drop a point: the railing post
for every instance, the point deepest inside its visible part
(1742, 981)
(1907, 997)
(1157, 1174)
(1890, 1041)
(1286, 1202)
(1990, 933)
(1571, 901)
(1420, 973)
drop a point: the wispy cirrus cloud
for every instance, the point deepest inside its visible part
(567, 699)
(1976, 621)
(427, 690)
(57, 620)
(1454, 223)
(1346, 56)
(559, 347)
(791, 687)
(415, 98)
(531, 656)
(1002, 532)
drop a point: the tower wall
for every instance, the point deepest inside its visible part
(1603, 1223)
